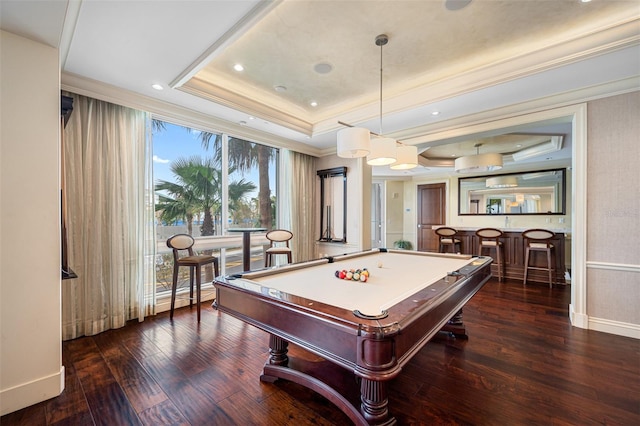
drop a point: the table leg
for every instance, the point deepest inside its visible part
(375, 402)
(278, 349)
(246, 251)
(456, 326)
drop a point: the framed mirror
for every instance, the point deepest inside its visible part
(540, 192)
(333, 205)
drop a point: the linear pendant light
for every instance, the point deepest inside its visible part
(501, 182)
(356, 142)
(479, 162)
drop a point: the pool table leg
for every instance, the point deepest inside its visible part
(375, 402)
(456, 326)
(278, 349)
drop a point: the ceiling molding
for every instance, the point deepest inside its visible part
(425, 134)
(553, 145)
(68, 29)
(581, 48)
(222, 96)
(176, 114)
(236, 31)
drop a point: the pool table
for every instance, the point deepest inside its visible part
(367, 330)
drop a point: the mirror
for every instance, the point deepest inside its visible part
(526, 193)
(333, 205)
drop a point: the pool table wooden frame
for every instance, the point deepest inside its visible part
(372, 350)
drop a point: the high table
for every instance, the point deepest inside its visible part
(246, 244)
(370, 329)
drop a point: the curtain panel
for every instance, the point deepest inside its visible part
(298, 189)
(111, 239)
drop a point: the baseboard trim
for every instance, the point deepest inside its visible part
(578, 320)
(615, 327)
(26, 394)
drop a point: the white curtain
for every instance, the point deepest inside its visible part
(109, 197)
(298, 201)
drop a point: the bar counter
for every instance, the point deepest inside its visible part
(514, 251)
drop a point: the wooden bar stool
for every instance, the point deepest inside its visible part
(539, 240)
(181, 243)
(489, 239)
(279, 239)
(447, 237)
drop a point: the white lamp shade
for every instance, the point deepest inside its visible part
(353, 142)
(407, 158)
(479, 163)
(502, 182)
(383, 152)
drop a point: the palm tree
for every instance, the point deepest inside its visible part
(243, 155)
(198, 189)
(178, 203)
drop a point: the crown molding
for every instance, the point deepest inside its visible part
(204, 89)
(582, 47)
(481, 121)
(176, 114)
(243, 25)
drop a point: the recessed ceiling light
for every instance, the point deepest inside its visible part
(157, 86)
(238, 67)
(280, 88)
(242, 123)
(435, 113)
(323, 68)
(313, 103)
(251, 117)
(456, 4)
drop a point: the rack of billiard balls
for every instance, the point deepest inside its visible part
(361, 275)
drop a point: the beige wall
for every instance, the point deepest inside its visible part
(613, 210)
(358, 205)
(31, 347)
(394, 212)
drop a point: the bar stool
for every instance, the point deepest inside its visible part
(180, 243)
(447, 237)
(277, 238)
(489, 238)
(539, 240)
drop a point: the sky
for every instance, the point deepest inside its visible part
(175, 142)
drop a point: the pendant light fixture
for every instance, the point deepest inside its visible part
(383, 150)
(355, 142)
(407, 158)
(478, 163)
(502, 182)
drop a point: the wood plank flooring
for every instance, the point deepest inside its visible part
(523, 365)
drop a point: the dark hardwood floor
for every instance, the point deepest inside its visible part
(522, 365)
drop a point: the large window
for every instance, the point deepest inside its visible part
(207, 183)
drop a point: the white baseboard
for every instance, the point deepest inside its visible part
(604, 325)
(615, 327)
(26, 394)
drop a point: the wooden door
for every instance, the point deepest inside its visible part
(432, 210)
